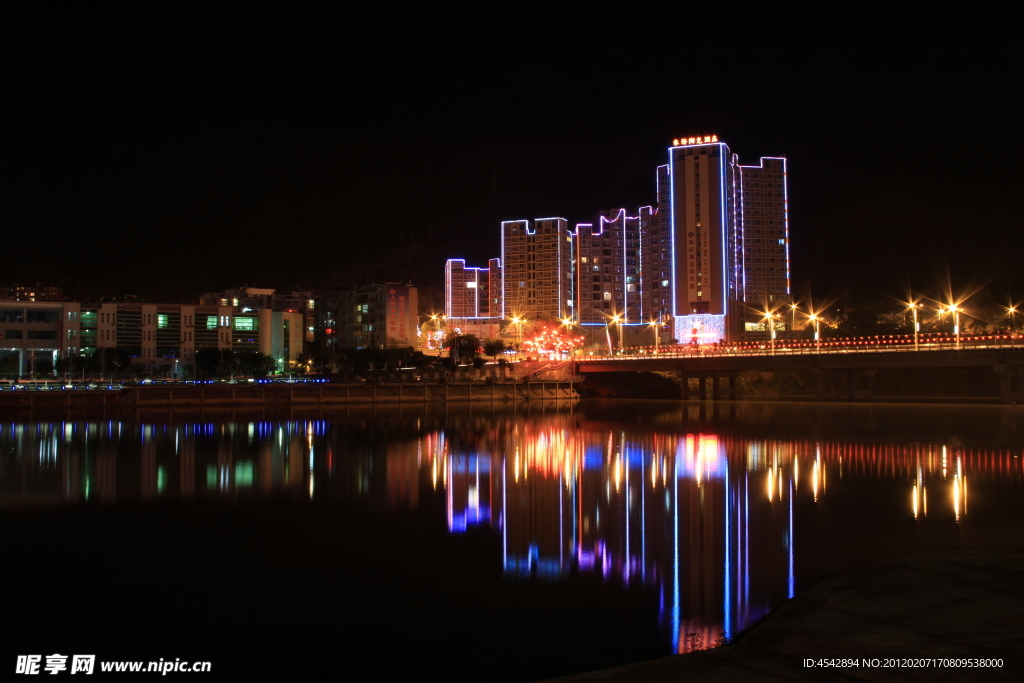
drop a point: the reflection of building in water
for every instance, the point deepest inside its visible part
(403, 471)
(705, 520)
(662, 510)
(708, 521)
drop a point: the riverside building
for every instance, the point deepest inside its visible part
(707, 263)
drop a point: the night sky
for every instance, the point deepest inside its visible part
(166, 153)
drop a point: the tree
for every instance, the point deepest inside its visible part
(494, 348)
(9, 363)
(114, 360)
(462, 347)
(255, 364)
(207, 361)
(550, 340)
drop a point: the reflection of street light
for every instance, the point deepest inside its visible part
(817, 330)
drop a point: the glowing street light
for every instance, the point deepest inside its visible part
(617, 321)
(1011, 311)
(518, 322)
(955, 310)
(656, 329)
(913, 306)
(817, 330)
(769, 317)
(568, 324)
(792, 312)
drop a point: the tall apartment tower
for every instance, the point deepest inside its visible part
(607, 283)
(719, 265)
(472, 292)
(764, 238)
(537, 269)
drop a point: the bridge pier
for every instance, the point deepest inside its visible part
(1011, 382)
(845, 384)
(717, 392)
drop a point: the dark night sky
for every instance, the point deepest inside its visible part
(168, 154)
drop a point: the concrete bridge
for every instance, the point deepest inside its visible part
(842, 373)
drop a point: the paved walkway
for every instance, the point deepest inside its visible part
(966, 604)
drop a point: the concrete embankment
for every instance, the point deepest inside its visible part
(288, 394)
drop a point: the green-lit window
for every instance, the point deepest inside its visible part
(243, 323)
(161, 321)
(211, 322)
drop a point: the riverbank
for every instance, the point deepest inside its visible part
(242, 395)
(952, 615)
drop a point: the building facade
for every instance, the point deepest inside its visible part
(163, 338)
(248, 299)
(729, 246)
(378, 316)
(537, 263)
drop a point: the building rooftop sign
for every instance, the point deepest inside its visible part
(699, 140)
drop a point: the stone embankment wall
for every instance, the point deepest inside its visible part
(286, 394)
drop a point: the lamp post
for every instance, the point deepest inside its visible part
(518, 322)
(617, 321)
(567, 323)
(817, 330)
(956, 323)
(917, 326)
(769, 316)
(655, 328)
(792, 312)
(1011, 311)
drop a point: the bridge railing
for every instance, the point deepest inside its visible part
(874, 344)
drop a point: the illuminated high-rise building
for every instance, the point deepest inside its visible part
(729, 239)
(471, 292)
(607, 282)
(537, 269)
(708, 262)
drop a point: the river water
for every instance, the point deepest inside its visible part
(480, 542)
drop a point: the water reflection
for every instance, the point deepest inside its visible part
(707, 516)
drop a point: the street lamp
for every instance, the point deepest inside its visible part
(568, 323)
(1011, 311)
(655, 328)
(617, 321)
(792, 312)
(956, 322)
(817, 330)
(518, 322)
(769, 316)
(913, 305)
